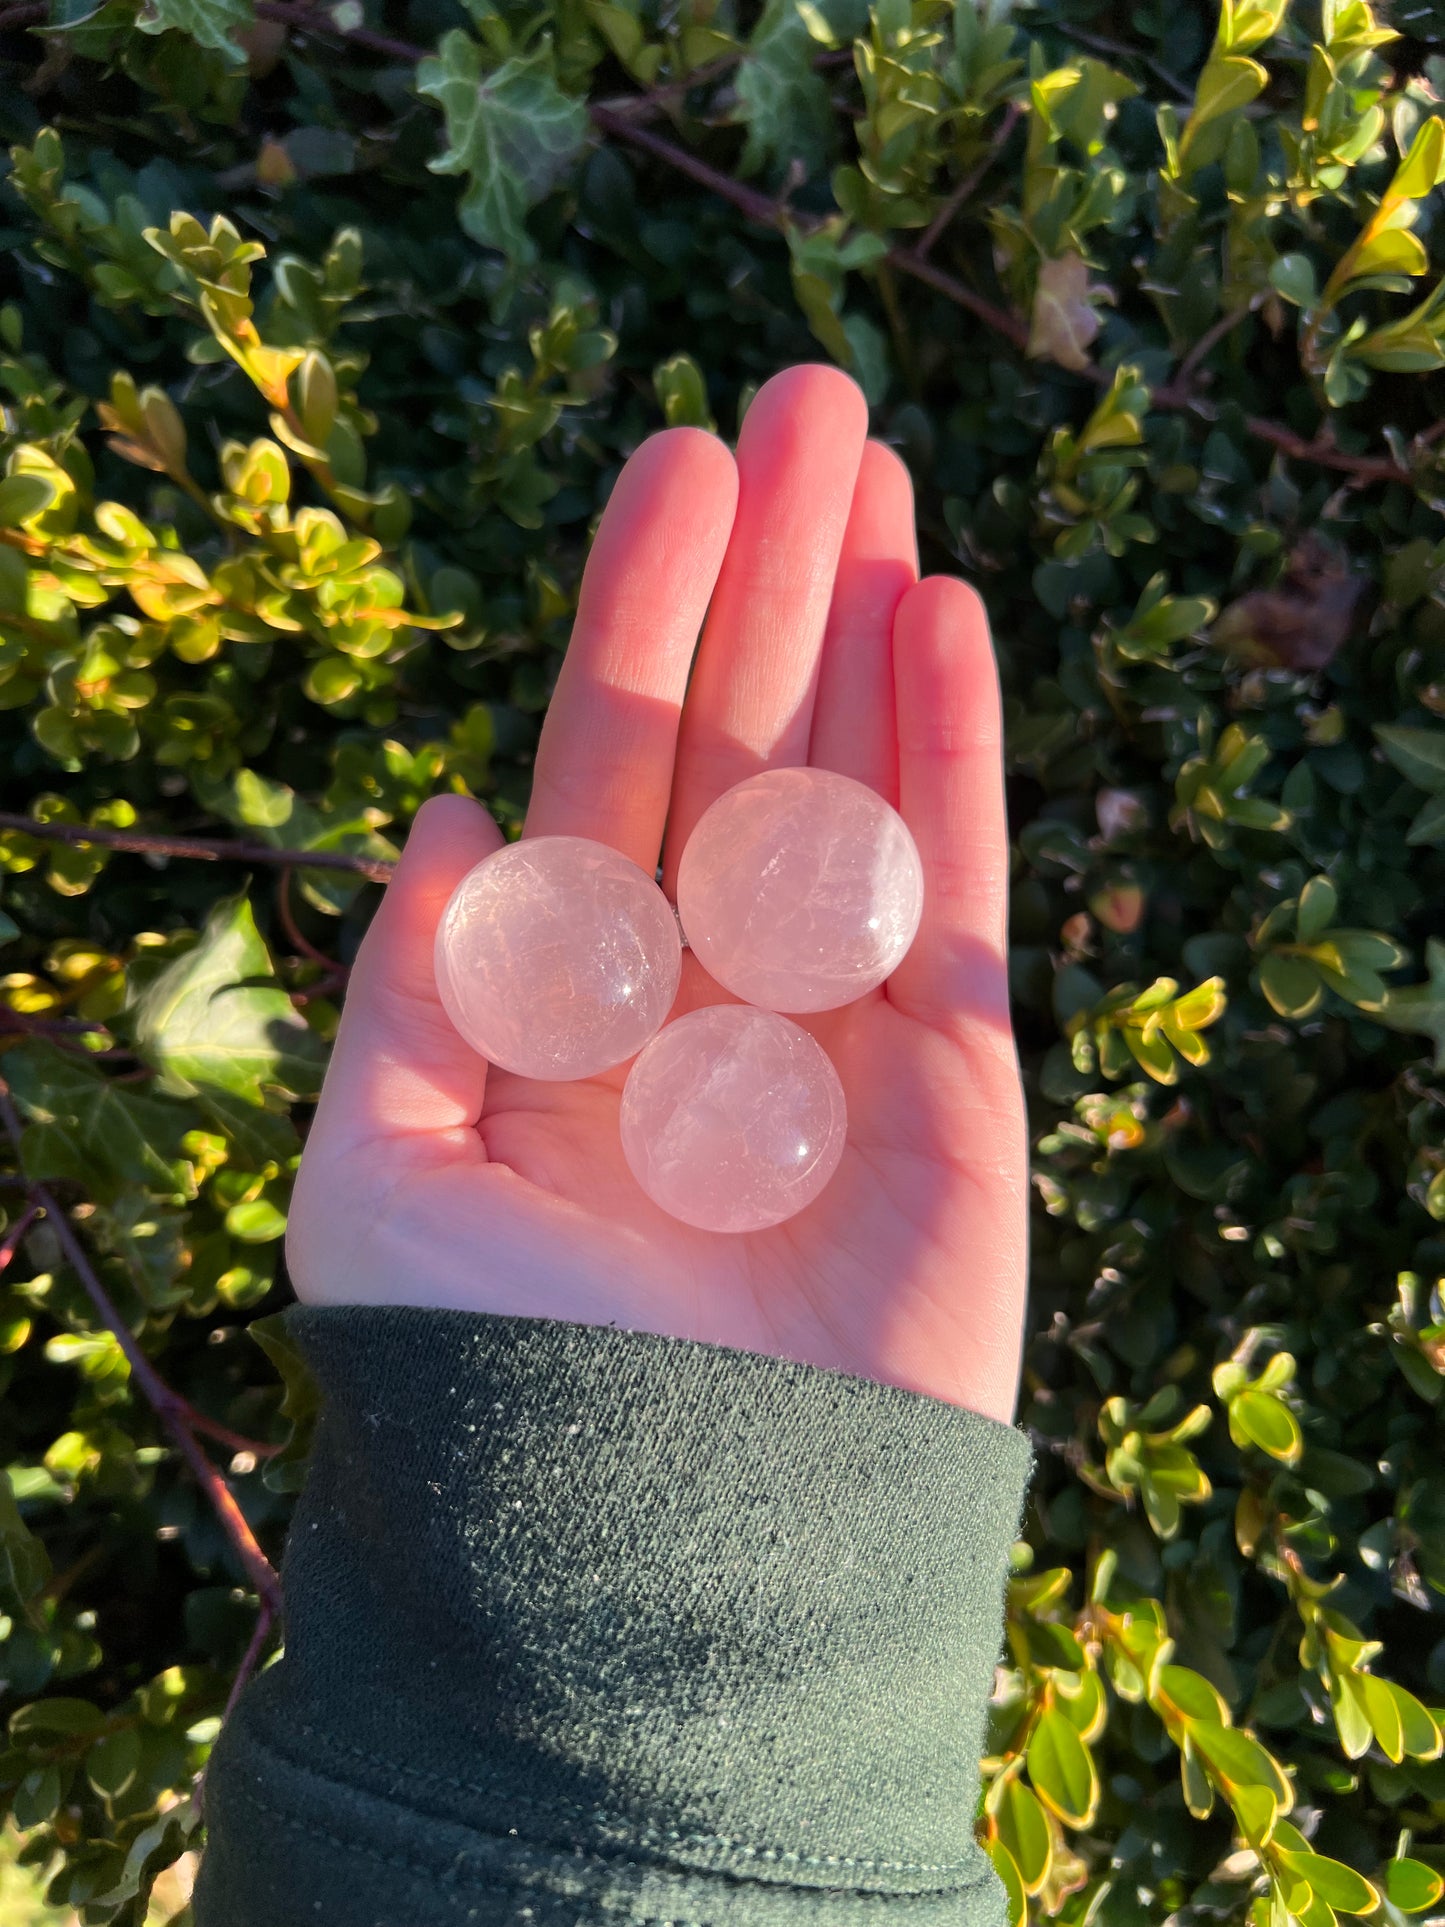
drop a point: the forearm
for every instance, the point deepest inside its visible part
(588, 1625)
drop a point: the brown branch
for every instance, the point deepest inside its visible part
(613, 119)
(304, 20)
(176, 1414)
(1207, 342)
(769, 213)
(760, 208)
(206, 848)
(302, 943)
(969, 184)
(1009, 326)
(251, 1657)
(1364, 468)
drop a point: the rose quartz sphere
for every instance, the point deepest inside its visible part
(800, 889)
(733, 1119)
(557, 958)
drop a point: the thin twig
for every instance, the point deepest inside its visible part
(968, 185)
(251, 1658)
(767, 213)
(1324, 454)
(1207, 342)
(207, 849)
(1096, 43)
(303, 945)
(305, 20)
(610, 119)
(176, 1414)
(1009, 326)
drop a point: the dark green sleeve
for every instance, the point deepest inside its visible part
(590, 1626)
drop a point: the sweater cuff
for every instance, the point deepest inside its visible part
(587, 1625)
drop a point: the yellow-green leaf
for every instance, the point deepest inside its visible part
(1062, 1769)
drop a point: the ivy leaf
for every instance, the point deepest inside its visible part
(300, 1401)
(210, 23)
(85, 1128)
(513, 131)
(217, 1026)
(781, 100)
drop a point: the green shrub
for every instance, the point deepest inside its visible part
(324, 336)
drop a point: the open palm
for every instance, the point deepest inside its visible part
(431, 1179)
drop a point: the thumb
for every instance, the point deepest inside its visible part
(399, 1068)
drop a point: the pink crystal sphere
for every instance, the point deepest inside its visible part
(800, 889)
(557, 958)
(733, 1119)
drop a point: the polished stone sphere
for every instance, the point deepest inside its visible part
(800, 890)
(556, 957)
(733, 1119)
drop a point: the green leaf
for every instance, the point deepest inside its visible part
(1335, 1883)
(1195, 1783)
(682, 393)
(36, 1798)
(1292, 985)
(23, 496)
(1420, 1007)
(781, 99)
(256, 1222)
(1318, 903)
(1062, 1769)
(1007, 1870)
(512, 131)
(1412, 1886)
(1429, 825)
(1024, 1829)
(300, 1401)
(1419, 172)
(1259, 1418)
(85, 1128)
(54, 1716)
(1240, 1761)
(1293, 276)
(210, 23)
(1418, 754)
(111, 1763)
(216, 1020)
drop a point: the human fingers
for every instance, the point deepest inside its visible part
(855, 717)
(750, 703)
(399, 1068)
(950, 782)
(605, 761)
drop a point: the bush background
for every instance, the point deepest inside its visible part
(325, 333)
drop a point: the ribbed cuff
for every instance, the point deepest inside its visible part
(586, 1626)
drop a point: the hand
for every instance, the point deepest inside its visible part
(430, 1179)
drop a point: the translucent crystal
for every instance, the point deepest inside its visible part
(556, 957)
(733, 1119)
(800, 889)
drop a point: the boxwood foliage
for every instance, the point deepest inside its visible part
(325, 332)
